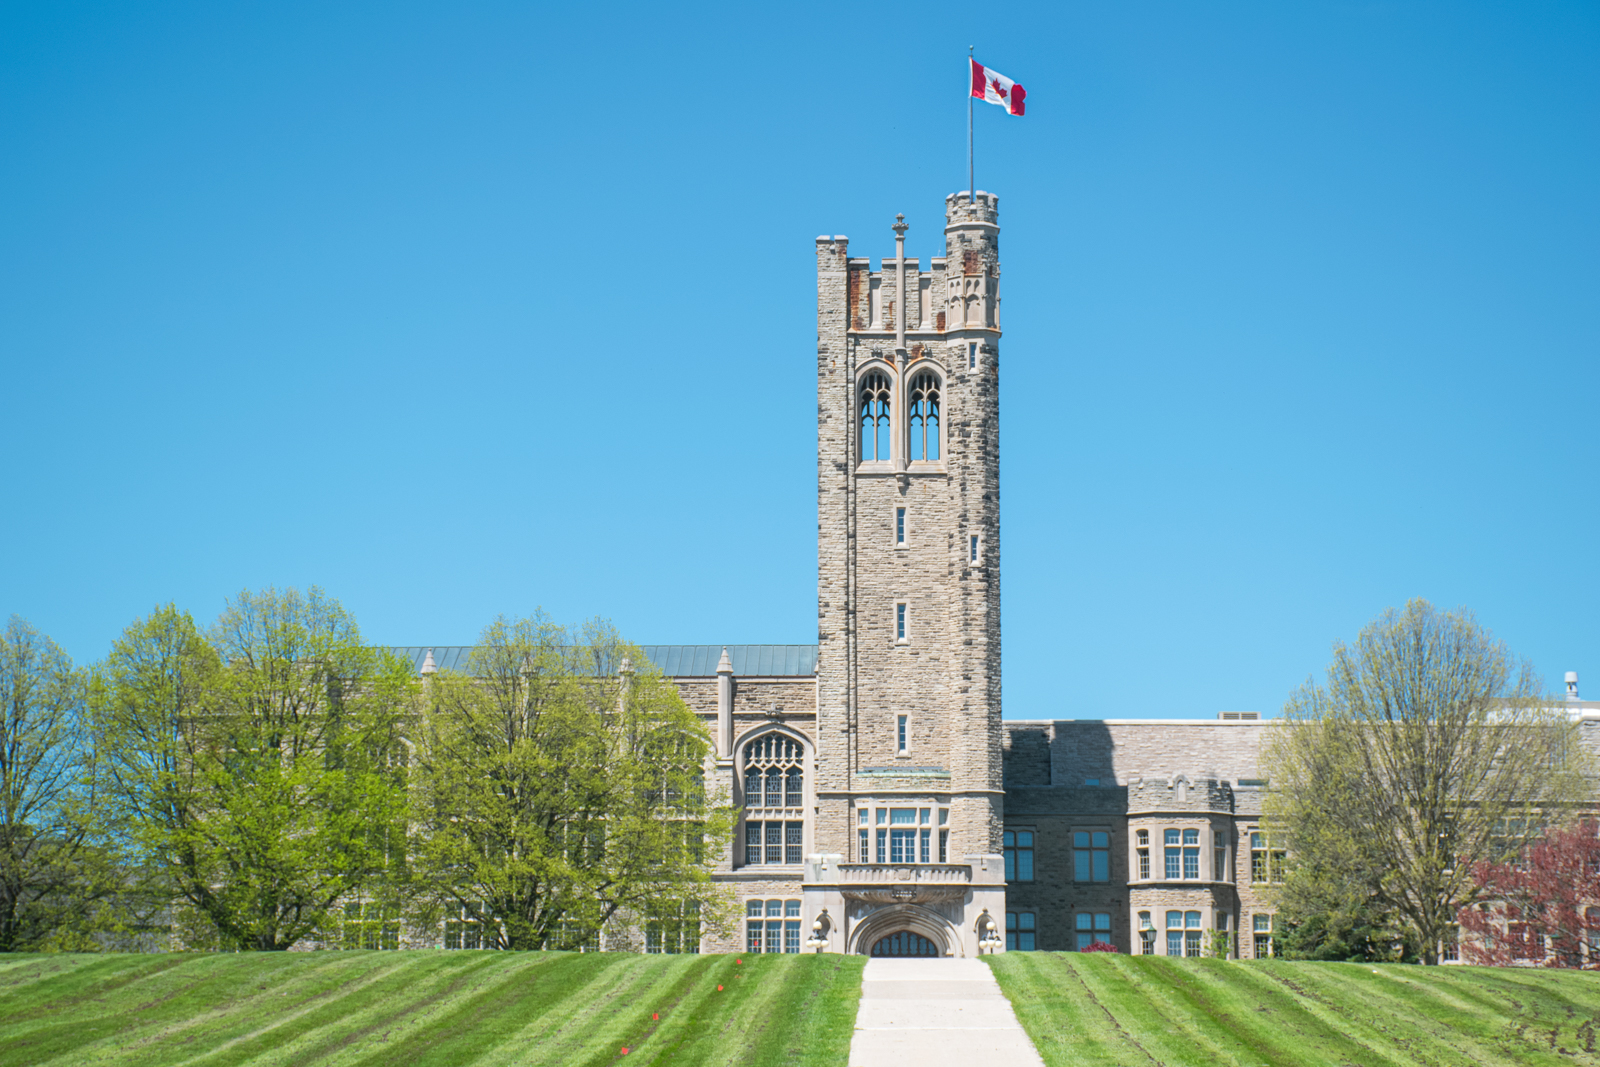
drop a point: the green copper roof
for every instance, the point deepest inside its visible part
(676, 661)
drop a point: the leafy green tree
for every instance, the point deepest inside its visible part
(56, 871)
(559, 780)
(260, 767)
(1332, 914)
(1429, 749)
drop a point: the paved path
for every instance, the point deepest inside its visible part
(936, 1013)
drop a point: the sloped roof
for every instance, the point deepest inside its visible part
(675, 661)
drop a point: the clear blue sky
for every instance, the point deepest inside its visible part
(464, 309)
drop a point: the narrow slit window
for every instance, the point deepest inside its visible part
(900, 735)
(900, 526)
(972, 355)
(972, 549)
(900, 623)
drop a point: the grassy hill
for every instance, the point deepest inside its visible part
(1090, 1010)
(418, 1009)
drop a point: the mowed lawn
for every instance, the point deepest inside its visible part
(1091, 1010)
(424, 1008)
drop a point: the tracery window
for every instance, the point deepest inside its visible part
(875, 432)
(774, 780)
(924, 422)
(774, 775)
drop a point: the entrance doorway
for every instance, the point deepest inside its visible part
(904, 943)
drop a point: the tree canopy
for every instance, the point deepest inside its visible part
(559, 781)
(259, 766)
(1429, 749)
(55, 867)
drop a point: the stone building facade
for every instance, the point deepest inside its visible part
(885, 806)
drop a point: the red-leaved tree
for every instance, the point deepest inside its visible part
(1541, 909)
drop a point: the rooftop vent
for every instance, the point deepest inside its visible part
(1237, 715)
(1572, 685)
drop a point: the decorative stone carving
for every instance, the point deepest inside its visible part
(906, 894)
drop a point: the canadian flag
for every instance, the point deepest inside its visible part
(996, 88)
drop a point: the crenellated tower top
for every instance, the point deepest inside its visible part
(960, 210)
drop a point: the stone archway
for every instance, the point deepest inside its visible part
(908, 919)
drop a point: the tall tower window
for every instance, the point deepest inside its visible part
(900, 526)
(900, 623)
(900, 736)
(972, 355)
(875, 433)
(924, 410)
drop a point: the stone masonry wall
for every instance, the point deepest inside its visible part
(1065, 777)
(945, 677)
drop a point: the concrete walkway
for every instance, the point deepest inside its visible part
(936, 1013)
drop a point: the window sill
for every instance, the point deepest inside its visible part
(876, 468)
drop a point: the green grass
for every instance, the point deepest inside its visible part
(1090, 1010)
(425, 1008)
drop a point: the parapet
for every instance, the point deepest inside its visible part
(1179, 793)
(964, 209)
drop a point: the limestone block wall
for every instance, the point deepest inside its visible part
(944, 676)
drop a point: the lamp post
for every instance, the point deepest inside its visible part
(818, 940)
(988, 936)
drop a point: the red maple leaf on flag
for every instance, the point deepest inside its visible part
(998, 88)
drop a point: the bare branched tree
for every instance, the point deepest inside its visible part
(49, 860)
(1429, 750)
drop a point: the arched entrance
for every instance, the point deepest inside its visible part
(904, 943)
(879, 926)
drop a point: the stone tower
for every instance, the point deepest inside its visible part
(909, 793)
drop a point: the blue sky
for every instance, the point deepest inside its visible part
(466, 309)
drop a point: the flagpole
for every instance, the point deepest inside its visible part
(972, 185)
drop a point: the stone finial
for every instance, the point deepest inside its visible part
(428, 666)
(725, 664)
(900, 226)
(627, 665)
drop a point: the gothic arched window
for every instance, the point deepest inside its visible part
(924, 422)
(774, 781)
(774, 775)
(875, 434)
